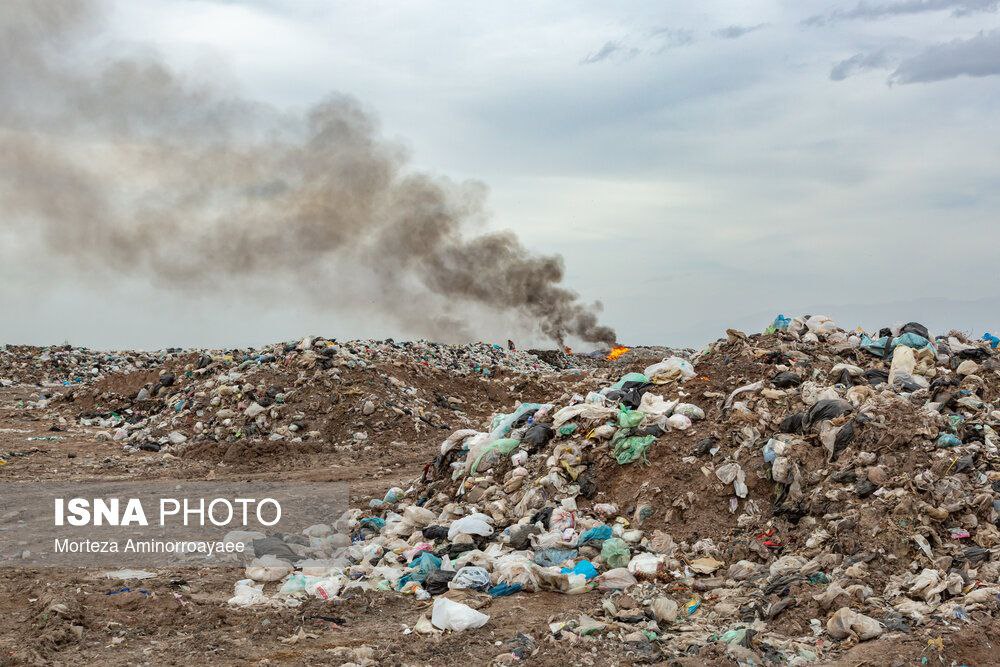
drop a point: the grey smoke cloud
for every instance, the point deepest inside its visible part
(859, 62)
(122, 163)
(977, 56)
(866, 10)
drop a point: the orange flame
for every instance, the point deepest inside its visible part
(617, 351)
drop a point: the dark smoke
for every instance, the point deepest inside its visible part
(121, 163)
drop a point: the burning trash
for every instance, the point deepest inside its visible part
(617, 351)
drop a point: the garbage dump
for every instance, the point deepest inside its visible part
(801, 495)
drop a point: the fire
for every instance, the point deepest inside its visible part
(617, 351)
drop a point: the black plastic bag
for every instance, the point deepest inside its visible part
(786, 380)
(827, 409)
(915, 327)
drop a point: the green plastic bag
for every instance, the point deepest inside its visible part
(630, 418)
(615, 553)
(630, 448)
(630, 377)
(497, 447)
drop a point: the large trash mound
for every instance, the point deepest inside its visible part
(805, 495)
(776, 498)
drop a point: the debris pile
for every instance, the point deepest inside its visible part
(778, 497)
(216, 404)
(311, 395)
(65, 365)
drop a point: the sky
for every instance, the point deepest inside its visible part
(697, 165)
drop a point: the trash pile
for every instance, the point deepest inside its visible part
(778, 497)
(65, 365)
(217, 403)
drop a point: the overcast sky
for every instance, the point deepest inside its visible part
(698, 165)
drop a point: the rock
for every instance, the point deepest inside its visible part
(254, 410)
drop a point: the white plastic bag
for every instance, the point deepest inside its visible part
(903, 363)
(617, 579)
(450, 615)
(846, 622)
(668, 370)
(689, 410)
(474, 524)
(247, 594)
(679, 422)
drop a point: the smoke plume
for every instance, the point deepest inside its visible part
(121, 163)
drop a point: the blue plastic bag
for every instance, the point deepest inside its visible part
(501, 590)
(877, 347)
(910, 339)
(584, 567)
(781, 322)
(553, 557)
(424, 564)
(502, 423)
(948, 440)
(601, 532)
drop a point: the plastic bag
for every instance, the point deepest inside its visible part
(689, 410)
(457, 438)
(268, 568)
(821, 324)
(630, 377)
(492, 453)
(476, 578)
(615, 553)
(450, 615)
(877, 347)
(297, 583)
(645, 564)
(502, 423)
(617, 579)
(515, 568)
(670, 369)
(597, 533)
(627, 449)
(586, 411)
(247, 594)
(423, 565)
(554, 557)
(846, 622)
(780, 323)
(474, 524)
(664, 610)
(910, 339)
(903, 363)
(732, 473)
(652, 404)
(630, 418)
(679, 422)
(584, 567)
